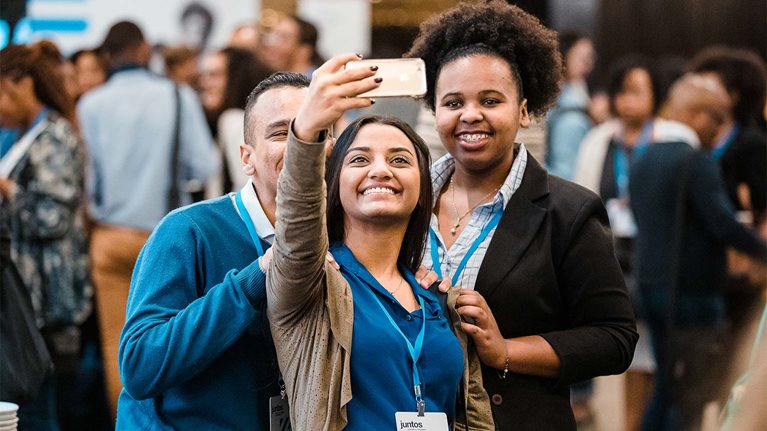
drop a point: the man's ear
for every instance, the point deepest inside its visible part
(246, 151)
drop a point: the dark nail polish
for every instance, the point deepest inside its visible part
(359, 55)
(372, 101)
(378, 80)
(373, 68)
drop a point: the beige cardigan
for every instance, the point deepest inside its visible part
(311, 311)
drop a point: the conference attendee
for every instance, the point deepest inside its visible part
(90, 70)
(532, 252)
(181, 64)
(569, 121)
(685, 222)
(291, 44)
(361, 347)
(227, 77)
(42, 198)
(137, 127)
(741, 147)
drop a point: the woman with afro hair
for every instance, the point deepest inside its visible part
(542, 294)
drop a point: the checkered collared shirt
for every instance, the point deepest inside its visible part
(480, 217)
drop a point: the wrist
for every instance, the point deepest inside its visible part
(308, 134)
(502, 361)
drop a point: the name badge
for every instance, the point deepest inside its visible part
(279, 414)
(427, 422)
(621, 218)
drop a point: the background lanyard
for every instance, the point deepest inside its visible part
(620, 158)
(249, 224)
(415, 352)
(437, 266)
(725, 142)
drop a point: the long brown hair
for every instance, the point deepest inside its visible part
(42, 62)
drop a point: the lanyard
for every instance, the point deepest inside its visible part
(621, 157)
(415, 351)
(724, 144)
(489, 227)
(249, 224)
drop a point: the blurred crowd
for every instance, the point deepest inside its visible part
(96, 148)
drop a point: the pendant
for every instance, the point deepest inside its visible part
(454, 228)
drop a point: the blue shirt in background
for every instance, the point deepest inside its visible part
(128, 126)
(381, 366)
(8, 137)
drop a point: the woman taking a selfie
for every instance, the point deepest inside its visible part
(363, 347)
(532, 253)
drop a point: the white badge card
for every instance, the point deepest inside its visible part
(409, 421)
(279, 414)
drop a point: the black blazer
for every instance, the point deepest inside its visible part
(550, 270)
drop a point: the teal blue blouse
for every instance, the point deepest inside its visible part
(381, 366)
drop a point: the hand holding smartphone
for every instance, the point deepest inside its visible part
(401, 76)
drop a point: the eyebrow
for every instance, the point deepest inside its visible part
(481, 92)
(391, 150)
(276, 125)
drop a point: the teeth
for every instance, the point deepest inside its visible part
(378, 190)
(473, 137)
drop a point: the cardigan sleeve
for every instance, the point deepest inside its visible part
(296, 275)
(708, 200)
(602, 333)
(170, 333)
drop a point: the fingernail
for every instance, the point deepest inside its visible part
(372, 101)
(373, 68)
(358, 55)
(378, 80)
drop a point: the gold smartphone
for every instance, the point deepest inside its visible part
(401, 76)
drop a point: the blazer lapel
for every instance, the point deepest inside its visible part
(520, 223)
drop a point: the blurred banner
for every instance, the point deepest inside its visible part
(75, 24)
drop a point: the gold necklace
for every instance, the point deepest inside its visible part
(458, 219)
(396, 288)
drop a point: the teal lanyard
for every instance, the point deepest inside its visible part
(435, 262)
(249, 224)
(415, 351)
(724, 144)
(621, 157)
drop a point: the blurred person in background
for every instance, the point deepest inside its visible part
(246, 36)
(709, 225)
(129, 125)
(741, 147)
(227, 77)
(42, 193)
(531, 252)
(291, 45)
(568, 121)
(740, 150)
(89, 69)
(602, 166)
(181, 65)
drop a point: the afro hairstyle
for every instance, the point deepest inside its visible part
(496, 28)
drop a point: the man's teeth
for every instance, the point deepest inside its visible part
(379, 190)
(473, 137)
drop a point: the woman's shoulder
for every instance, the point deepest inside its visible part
(58, 127)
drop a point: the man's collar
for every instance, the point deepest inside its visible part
(264, 228)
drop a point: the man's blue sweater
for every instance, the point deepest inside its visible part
(196, 352)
